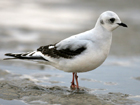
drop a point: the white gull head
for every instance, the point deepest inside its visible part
(109, 21)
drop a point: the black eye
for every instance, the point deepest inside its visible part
(112, 20)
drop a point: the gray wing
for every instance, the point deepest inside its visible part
(52, 51)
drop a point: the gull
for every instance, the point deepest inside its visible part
(81, 52)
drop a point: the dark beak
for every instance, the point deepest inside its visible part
(122, 24)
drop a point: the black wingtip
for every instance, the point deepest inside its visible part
(5, 59)
(8, 54)
(9, 58)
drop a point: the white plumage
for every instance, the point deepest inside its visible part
(82, 52)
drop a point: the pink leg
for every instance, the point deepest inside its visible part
(76, 78)
(72, 83)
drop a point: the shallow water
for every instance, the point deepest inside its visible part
(26, 25)
(11, 102)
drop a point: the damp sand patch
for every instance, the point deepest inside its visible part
(12, 87)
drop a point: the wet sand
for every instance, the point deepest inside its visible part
(26, 25)
(35, 84)
(15, 88)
